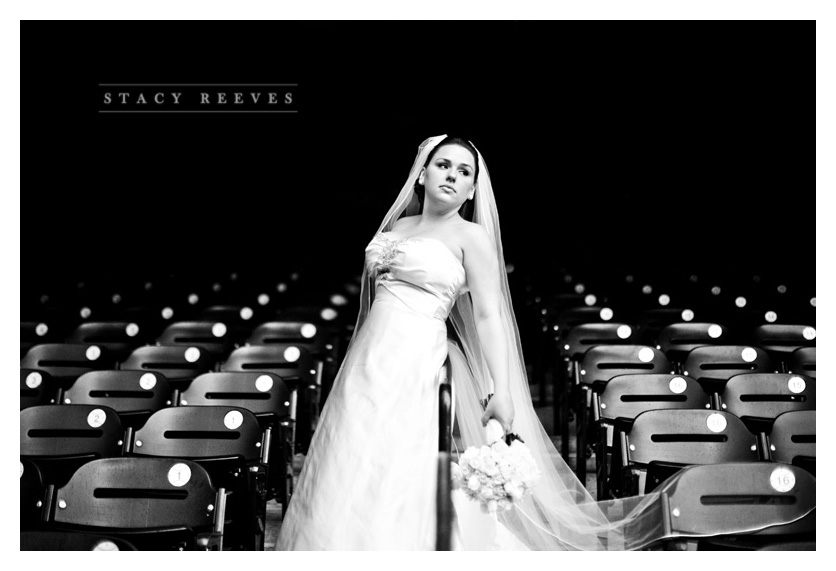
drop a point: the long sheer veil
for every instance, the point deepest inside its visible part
(560, 514)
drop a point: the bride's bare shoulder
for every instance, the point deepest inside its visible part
(405, 222)
(474, 233)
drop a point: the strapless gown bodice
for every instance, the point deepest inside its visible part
(420, 273)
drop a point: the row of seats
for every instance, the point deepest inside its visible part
(711, 380)
(635, 455)
(164, 413)
(49, 374)
(213, 335)
(709, 369)
(80, 467)
(546, 287)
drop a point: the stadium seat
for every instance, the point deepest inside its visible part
(720, 503)
(266, 396)
(229, 443)
(118, 337)
(59, 439)
(803, 361)
(65, 362)
(214, 337)
(32, 495)
(37, 388)
(179, 364)
(759, 398)
(573, 345)
(661, 442)
(296, 367)
(621, 401)
(134, 395)
(780, 341)
(153, 503)
(36, 333)
(712, 366)
(678, 339)
(793, 439)
(323, 341)
(598, 366)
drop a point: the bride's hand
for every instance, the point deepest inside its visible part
(501, 408)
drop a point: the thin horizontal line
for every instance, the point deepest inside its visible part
(219, 111)
(198, 84)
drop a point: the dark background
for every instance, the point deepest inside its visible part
(610, 145)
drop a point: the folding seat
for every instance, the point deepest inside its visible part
(712, 366)
(556, 327)
(295, 365)
(61, 311)
(314, 313)
(678, 339)
(661, 442)
(134, 395)
(598, 366)
(36, 333)
(229, 443)
(269, 399)
(214, 337)
(179, 364)
(71, 541)
(779, 341)
(153, 503)
(720, 506)
(625, 397)
(573, 345)
(759, 398)
(803, 361)
(65, 362)
(323, 341)
(32, 495)
(59, 439)
(118, 337)
(745, 320)
(652, 321)
(242, 318)
(793, 439)
(571, 317)
(37, 388)
(546, 311)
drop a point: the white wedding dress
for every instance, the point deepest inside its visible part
(369, 479)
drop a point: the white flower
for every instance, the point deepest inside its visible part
(473, 483)
(514, 489)
(496, 476)
(456, 475)
(499, 447)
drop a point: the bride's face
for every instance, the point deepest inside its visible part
(449, 178)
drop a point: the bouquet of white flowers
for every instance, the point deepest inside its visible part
(496, 475)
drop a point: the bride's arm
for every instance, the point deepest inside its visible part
(483, 279)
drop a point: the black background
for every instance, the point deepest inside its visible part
(625, 145)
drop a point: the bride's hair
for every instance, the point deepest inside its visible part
(467, 209)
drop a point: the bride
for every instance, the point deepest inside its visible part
(369, 480)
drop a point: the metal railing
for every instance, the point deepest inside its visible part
(444, 500)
